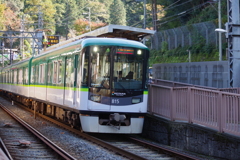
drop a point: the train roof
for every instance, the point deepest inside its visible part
(112, 42)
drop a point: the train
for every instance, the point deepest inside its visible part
(95, 84)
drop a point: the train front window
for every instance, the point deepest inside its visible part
(100, 70)
(128, 69)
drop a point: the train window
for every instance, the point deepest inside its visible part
(32, 74)
(15, 76)
(100, 71)
(11, 75)
(57, 72)
(49, 72)
(84, 67)
(26, 76)
(54, 72)
(37, 74)
(60, 68)
(69, 73)
(20, 76)
(41, 73)
(6, 77)
(128, 69)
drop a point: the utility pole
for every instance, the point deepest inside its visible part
(89, 17)
(22, 39)
(2, 45)
(144, 14)
(154, 14)
(219, 26)
(233, 36)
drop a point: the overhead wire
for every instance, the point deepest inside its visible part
(181, 13)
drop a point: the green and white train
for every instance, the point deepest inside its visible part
(94, 84)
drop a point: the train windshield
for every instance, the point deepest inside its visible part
(117, 71)
(128, 69)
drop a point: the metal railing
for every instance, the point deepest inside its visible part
(211, 107)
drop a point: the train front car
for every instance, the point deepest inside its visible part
(113, 76)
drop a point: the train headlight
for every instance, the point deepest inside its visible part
(96, 98)
(95, 49)
(136, 100)
(139, 52)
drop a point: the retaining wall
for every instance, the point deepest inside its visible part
(191, 137)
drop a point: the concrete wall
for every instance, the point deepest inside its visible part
(211, 74)
(193, 138)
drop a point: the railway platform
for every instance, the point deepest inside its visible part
(198, 119)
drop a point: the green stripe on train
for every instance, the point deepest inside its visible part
(52, 87)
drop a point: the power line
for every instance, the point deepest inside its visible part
(181, 13)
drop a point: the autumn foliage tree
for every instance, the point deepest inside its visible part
(8, 18)
(82, 26)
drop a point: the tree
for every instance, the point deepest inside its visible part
(11, 19)
(81, 26)
(2, 16)
(117, 13)
(67, 14)
(14, 5)
(43, 10)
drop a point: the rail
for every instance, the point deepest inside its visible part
(216, 108)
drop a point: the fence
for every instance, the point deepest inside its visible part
(186, 36)
(214, 108)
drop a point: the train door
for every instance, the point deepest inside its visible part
(99, 87)
(70, 80)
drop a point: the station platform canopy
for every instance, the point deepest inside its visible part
(111, 31)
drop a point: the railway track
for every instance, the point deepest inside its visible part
(24, 142)
(127, 147)
(145, 149)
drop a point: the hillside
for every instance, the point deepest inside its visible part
(74, 17)
(200, 51)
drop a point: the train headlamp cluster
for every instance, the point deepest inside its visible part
(96, 98)
(136, 100)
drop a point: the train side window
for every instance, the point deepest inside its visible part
(49, 72)
(57, 72)
(36, 74)
(6, 77)
(54, 72)
(69, 73)
(11, 76)
(26, 76)
(60, 67)
(84, 68)
(15, 76)
(41, 73)
(32, 74)
(20, 76)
